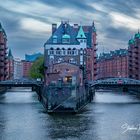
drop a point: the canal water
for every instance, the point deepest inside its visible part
(111, 116)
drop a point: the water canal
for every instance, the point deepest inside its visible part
(109, 117)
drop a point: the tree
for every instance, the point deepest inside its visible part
(37, 69)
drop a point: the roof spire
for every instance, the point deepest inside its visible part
(1, 29)
(93, 23)
(81, 34)
(10, 56)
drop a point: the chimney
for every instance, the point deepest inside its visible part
(54, 27)
(76, 26)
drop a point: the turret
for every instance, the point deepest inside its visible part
(10, 56)
(81, 36)
(1, 30)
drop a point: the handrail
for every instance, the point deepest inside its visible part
(61, 103)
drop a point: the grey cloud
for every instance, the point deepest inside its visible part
(21, 42)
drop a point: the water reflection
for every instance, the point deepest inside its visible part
(23, 117)
(70, 126)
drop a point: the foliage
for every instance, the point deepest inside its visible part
(37, 69)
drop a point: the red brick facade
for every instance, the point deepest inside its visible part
(26, 68)
(3, 55)
(113, 64)
(91, 64)
(134, 57)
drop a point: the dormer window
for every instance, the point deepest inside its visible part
(54, 39)
(65, 39)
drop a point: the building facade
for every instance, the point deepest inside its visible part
(32, 57)
(3, 54)
(72, 44)
(113, 64)
(18, 68)
(10, 65)
(134, 57)
(26, 65)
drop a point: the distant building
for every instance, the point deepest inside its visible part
(134, 57)
(18, 69)
(26, 68)
(113, 64)
(27, 63)
(3, 54)
(72, 44)
(32, 57)
(10, 65)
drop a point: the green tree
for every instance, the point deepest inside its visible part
(37, 69)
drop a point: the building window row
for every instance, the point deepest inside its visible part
(62, 52)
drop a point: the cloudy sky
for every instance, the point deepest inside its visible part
(28, 23)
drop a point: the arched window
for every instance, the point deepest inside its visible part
(58, 51)
(66, 39)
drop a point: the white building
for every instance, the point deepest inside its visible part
(18, 68)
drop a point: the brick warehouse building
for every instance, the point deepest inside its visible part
(64, 41)
(10, 65)
(26, 66)
(134, 57)
(113, 64)
(3, 54)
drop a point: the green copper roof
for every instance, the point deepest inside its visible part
(10, 56)
(81, 34)
(1, 30)
(4, 33)
(137, 35)
(66, 36)
(94, 29)
(131, 41)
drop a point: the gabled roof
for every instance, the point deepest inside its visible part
(72, 32)
(62, 30)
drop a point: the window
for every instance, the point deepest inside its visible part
(51, 52)
(54, 39)
(58, 52)
(64, 52)
(73, 52)
(66, 40)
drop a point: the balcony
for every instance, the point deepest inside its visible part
(95, 63)
(1, 59)
(95, 74)
(2, 53)
(136, 52)
(1, 71)
(5, 73)
(1, 48)
(136, 58)
(95, 49)
(95, 69)
(1, 64)
(130, 65)
(136, 68)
